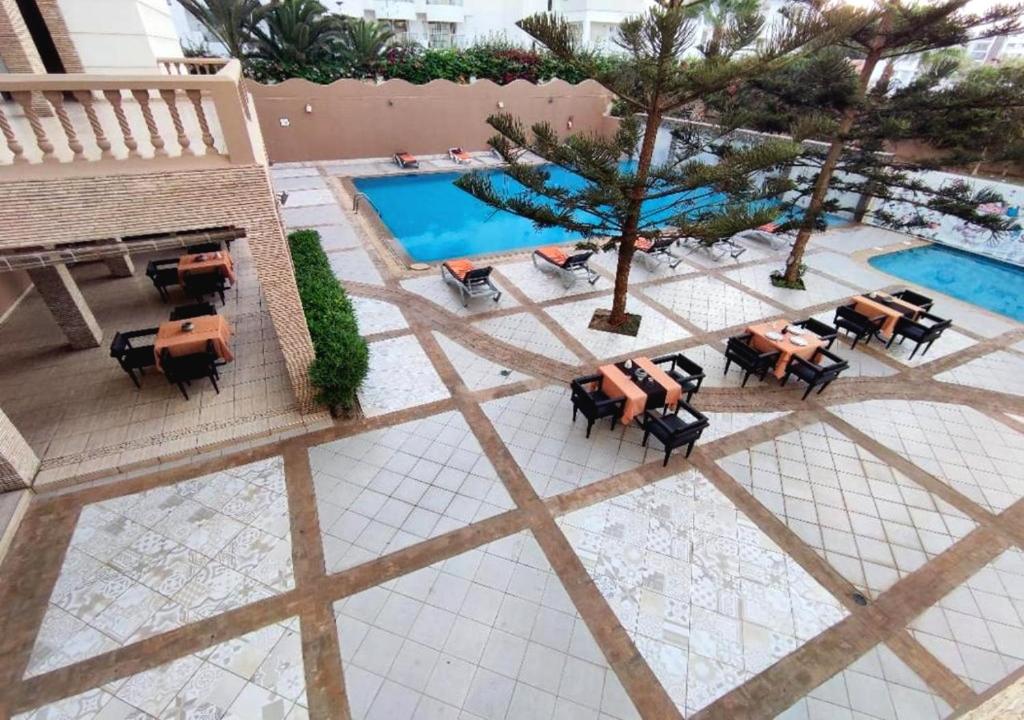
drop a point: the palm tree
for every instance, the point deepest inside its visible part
(363, 45)
(295, 32)
(723, 15)
(230, 21)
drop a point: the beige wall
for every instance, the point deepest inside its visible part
(353, 119)
(12, 285)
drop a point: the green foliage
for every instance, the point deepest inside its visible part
(230, 21)
(295, 32)
(363, 45)
(342, 358)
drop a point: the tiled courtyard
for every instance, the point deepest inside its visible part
(461, 551)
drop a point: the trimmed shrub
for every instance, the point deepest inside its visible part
(342, 358)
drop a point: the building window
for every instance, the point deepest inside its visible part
(441, 34)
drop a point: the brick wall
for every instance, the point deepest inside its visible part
(18, 464)
(54, 19)
(73, 209)
(16, 46)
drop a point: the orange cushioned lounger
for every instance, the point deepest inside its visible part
(459, 268)
(553, 254)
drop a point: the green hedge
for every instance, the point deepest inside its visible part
(342, 358)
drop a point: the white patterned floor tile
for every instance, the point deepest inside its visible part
(433, 288)
(257, 675)
(525, 331)
(964, 448)
(878, 686)
(710, 303)
(490, 633)
(723, 424)
(400, 376)
(977, 630)
(152, 561)
(553, 451)
(853, 272)
(541, 286)
(476, 371)
(819, 289)
(377, 316)
(709, 600)
(872, 523)
(655, 328)
(712, 359)
(354, 265)
(999, 371)
(380, 491)
(950, 342)
(641, 270)
(1019, 347)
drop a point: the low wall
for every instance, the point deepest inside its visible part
(355, 119)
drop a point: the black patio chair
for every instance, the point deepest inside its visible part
(823, 330)
(684, 371)
(857, 324)
(922, 301)
(133, 357)
(201, 248)
(164, 274)
(924, 331)
(588, 398)
(673, 431)
(184, 312)
(199, 285)
(739, 350)
(818, 372)
(181, 370)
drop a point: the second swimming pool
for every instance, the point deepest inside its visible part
(434, 220)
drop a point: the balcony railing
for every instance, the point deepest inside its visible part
(195, 113)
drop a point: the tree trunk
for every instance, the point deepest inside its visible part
(862, 206)
(828, 168)
(627, 243)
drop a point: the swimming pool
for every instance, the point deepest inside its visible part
(991, 284)
(434, 220)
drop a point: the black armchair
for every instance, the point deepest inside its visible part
(133, 357)
(164, 274)
(860, 326)
(588, 398)
(819, 372)
(924, 331)
(922, 301)
(673, 431)
(184, 312)
(739, 350)
(684, 371)
(200, 284)
(181, 370)
(823, 330)
(203, 248)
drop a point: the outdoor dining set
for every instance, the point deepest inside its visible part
(650, 392)
(195, 341)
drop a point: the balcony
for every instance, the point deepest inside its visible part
(194, 114)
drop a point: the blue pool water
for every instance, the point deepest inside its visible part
(434, 220)
(988, 283)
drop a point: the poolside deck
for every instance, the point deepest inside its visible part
(463, 551)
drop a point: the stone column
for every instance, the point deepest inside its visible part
(18, 462)
(120, 265)
(67, 305)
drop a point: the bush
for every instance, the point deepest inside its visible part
(342, 358)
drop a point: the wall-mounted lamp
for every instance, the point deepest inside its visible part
(309, 108)
(285, 122)
(551, 101)
(501, 104)
(391, 102)
(568, 124)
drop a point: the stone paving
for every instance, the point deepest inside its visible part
(461, 551)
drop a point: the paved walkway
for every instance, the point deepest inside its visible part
(464, 552)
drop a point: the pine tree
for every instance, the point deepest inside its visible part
(709, 187)
(862, 125)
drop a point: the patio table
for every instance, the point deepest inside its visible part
(207, 262)
(872, 307)
(207, 327)
(655, 390)
(787, 349)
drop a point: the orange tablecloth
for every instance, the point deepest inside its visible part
(673, 390)
(207, 327)
(787, 349)
(873, 308)
(616, 383)
(209, 263)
